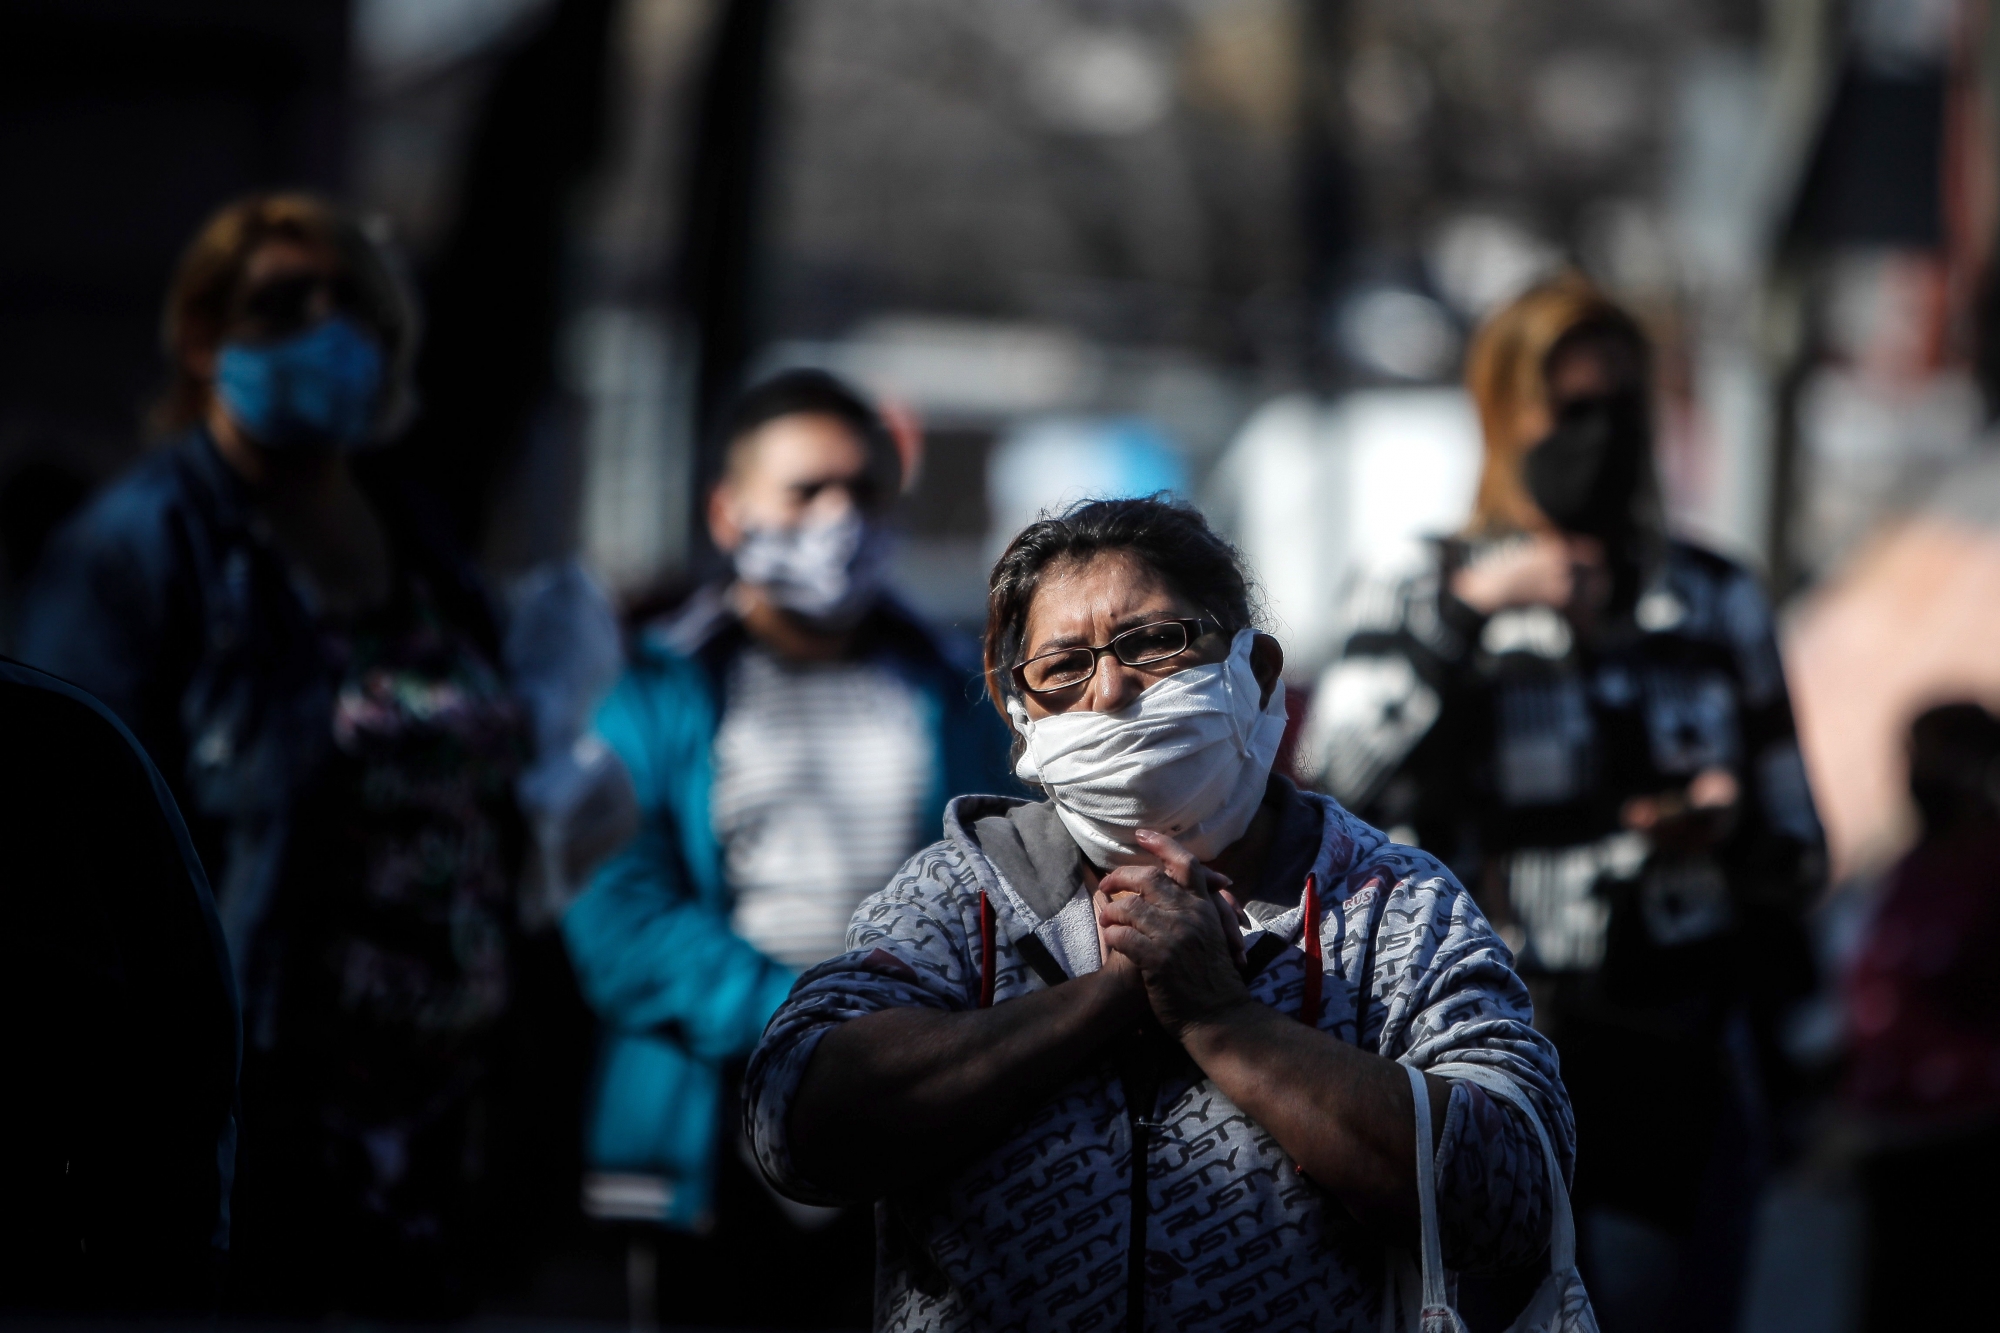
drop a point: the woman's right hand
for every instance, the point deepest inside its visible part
(1169, 921)
(1540, 571)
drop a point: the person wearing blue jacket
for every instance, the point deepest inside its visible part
(793, 734)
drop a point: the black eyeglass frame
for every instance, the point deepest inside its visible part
(1191, 625)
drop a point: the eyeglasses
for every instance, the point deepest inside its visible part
(1142, 645)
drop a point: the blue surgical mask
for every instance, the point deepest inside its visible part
(316, 389)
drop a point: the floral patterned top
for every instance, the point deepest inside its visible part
(398, 906)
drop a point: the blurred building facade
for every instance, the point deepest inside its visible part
(1252, 235)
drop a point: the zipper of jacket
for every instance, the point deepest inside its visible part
(1140, 1073)
(1135, 1262)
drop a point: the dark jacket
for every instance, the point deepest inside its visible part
(119, 1038)
(1508, 746)
(166, 599)
(1507, 742)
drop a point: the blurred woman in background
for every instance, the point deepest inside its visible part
(315, 674)
(1588, 721)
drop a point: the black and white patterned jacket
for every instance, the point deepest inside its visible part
(1047, 1230)
(1508, 745)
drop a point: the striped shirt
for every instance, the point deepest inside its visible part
(821, 770)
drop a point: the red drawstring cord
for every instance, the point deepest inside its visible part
(1310, 992)
(985, 951)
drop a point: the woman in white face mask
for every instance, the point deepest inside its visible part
(1136, 1046)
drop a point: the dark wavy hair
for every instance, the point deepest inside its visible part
(807, 392)
(1172, 538)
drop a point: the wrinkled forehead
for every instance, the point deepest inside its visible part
(1089, 600)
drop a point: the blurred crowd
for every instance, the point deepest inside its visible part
(459, 920)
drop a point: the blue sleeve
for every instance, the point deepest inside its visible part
(652, 952)
(97, 611)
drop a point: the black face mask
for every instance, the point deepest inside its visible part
(1585, 476)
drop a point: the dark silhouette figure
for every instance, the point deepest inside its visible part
(119, 1036)
(1924, 1021)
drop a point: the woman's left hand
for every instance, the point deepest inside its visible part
(1179, 929)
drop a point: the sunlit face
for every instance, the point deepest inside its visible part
(795, 471)
(1088, 604)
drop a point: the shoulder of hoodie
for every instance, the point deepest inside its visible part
(1364, 858)
(1361, 857)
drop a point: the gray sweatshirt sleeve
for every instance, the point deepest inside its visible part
(1442, 989)
(901, 954)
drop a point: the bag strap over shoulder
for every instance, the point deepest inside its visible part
(1562, 1229)
(1433, 1249)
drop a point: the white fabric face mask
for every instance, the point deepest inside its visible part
(1189, 757)
(829, 573)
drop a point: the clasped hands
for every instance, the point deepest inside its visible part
(1174, 930)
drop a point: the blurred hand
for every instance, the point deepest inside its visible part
(1181, 931)
(1537, 572)
(1690, 820)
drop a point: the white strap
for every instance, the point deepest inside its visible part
(1433, 1250)
(1401, 1308)
(1562, 1226)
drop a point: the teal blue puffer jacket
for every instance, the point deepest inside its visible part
(682, 998)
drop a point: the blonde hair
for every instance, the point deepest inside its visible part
(208, 281)
(1506, 372)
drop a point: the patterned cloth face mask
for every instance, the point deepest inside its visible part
(1190, 758)
(828, 574)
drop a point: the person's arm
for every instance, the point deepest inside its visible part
(1774, 858)
(1344, 1114)
(651, 957)
(1778, 850)
(908, 1094)
(881, 1072)
(1391, 690)
(649, 954)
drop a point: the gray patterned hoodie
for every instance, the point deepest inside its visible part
(1050, 1229)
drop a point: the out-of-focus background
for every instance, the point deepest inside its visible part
(1227, 248)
